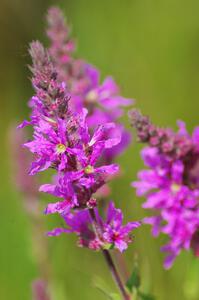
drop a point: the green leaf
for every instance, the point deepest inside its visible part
(108, 246)
(115, 296)
(143, 296)
(134, 279)
(102, 287)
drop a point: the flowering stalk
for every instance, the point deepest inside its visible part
(170, 184)
(103, 101)
(77, 134)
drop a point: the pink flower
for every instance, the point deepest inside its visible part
(170, 184)
(111, 232)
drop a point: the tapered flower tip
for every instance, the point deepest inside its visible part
(58, 231)
(169, 260)
(54, 14)
(37, 51)
(134, 115)
(60, 207)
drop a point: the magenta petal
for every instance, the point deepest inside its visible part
(168, 262)
(121, 245)
(109, 170)
(116, 101)
(110, 211)
(58, 231)
(100, 132)
(47, 188)
(61, 207)
(24, 124)
(38, 166)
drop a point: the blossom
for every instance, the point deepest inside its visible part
(62, 140)
(100, 98)
(79, 222)
(98, 233)
(61, 133)
(76, 188)
(81, 176)
(50, 144)
(114, 232)
(170, 184)
(78, 175)
(77, 133)
(103, 101)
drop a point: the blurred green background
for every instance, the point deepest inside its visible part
(151, 48)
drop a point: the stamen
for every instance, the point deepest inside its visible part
(175, 188)
(60, 148)
(89, 169)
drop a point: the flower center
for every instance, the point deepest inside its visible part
(175, 188)
(92, 96)
(60, 148)
(89, 169)
(115, 236)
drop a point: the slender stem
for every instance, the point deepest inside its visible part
(118, 256)
(110, 263)
(115, 274)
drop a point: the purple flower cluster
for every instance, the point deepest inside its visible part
(75, 133)
(108, 234)
(170, 184)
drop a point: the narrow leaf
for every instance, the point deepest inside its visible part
(134, 279)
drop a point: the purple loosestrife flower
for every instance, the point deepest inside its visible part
(108, 233)
(103, 101)
(114, 232)
(79, 222)
(170, 184)
(77, 186)
(50, 145)
(77, 134)
(62, 141)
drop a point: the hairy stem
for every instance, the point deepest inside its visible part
(110, 262)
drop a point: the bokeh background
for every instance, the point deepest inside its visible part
(152, 50)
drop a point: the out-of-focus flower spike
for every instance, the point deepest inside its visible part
(40, 290)
(171, 183)
(20, 159)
